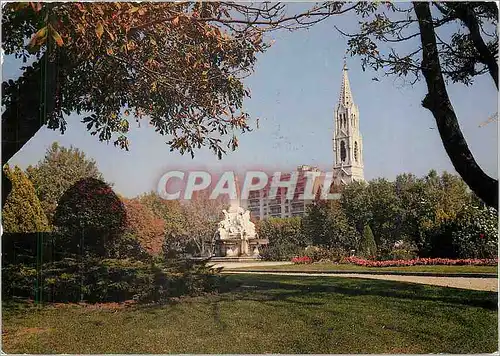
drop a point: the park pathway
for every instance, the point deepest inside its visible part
(482, 284)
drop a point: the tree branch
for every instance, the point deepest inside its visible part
(466, 14)
(438, 102)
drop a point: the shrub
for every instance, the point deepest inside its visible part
(401, 250)
(367, 246)
(472, 234)
(22, 212)
(286, 239)
(475, 233)
(403, 254)
(109, 280)
(322, 254)
(280, 252)
(128, 246)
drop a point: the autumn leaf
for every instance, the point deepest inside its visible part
(133, 9)
(111, 35)
(99, 30)
(36, 6)
(175, 21)
(57, 37)
(39, 37)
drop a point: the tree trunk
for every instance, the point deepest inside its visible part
(438, 102)
(32, 98)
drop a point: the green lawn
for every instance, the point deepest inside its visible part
(330, 267)
(270, 314)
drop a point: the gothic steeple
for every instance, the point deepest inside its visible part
(345, 97)
(347, 140)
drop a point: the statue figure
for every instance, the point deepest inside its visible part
(237, 225)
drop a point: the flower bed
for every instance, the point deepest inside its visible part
(301, 260)
(421, 261)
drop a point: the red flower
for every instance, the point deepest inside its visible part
(481, 236)
(421, 261)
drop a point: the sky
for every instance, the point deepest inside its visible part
(295, 88)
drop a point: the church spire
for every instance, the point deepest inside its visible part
(345, 89)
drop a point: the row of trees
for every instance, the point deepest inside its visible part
(65, 191)
(69, 237)
(435, 215)
(432, 216)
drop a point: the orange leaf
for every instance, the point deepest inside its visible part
(99, 30)
(39, 37)
(111, 35)
(175, 21)
(57, 37)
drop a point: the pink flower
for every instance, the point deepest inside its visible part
(421, 261)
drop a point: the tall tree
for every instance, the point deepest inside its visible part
(170, 211)
(145, 225)
(386, 212)
(327, 225)
(470, 50)
(22, 212)
(179, 65)
(367, 245)
(356, 203)
(57, 172)
(201, 216)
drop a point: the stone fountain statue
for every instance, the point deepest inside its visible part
(236, 235)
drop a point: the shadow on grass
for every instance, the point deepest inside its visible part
(287, 289)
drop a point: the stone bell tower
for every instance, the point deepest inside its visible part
(347, 141)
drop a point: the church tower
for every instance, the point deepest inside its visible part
(347, 142)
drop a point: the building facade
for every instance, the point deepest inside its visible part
(347, 140)
(261, 206)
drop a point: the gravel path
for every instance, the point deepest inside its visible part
(484, 284)
(249, 264)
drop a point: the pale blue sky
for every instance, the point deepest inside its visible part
(294, 90)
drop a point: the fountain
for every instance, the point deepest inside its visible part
(236, 236)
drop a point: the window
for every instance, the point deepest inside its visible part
(356, 151)
(342, 151)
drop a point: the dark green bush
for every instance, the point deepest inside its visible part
(286, 238)
(322, 254)
(280, 252)
(111, 280)
(473, 234)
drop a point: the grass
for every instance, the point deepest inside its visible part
(330, 267)
(270, 314)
